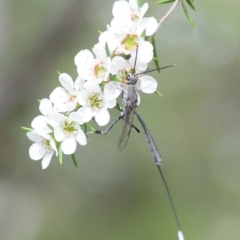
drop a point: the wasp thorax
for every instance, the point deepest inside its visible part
(131, 80)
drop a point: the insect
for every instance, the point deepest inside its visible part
(129, 103)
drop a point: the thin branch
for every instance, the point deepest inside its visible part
(167, 15)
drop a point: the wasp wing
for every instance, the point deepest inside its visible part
(126, 130)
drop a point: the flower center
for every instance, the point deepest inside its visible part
(71, 98)
(130, 42)
(95, 101)
(134, 16)
(100, 70)
(70, 127)
(47, 145)
(124, 73)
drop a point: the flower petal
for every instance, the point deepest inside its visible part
(150, 24)
(145, 52)
(84, 58)
(144, 9)
(148, 84)
(46, 107)
(58, 133)
(81, 137)
(69, 145)
(56, 119)
(111, 103)
(92, 87)
(46, 160)
(34, 137)
(37, 151)
(59, 96)
(121, 8)
(102, 117)
(112, 90)
(79, 84)
(134, 4)
(66, 81)
(118, 63)
(76, 117)
(86, 112)
(82, 97)
(40, 124)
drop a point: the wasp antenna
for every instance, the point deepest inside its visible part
(135, 61)
(179, 231)
(152, 70)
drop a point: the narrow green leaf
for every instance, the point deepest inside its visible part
(28, 129)
(190, 4)
(107, 50)
(60, 157)
(90, 126)
(188, 16)
(85, 128)
(155, 57)
(118, 107)
(74, 160)
(115, 78)
(50, 127)
(143, 35)
(158, 93)
(165, 1)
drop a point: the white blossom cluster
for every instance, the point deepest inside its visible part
(101, 78)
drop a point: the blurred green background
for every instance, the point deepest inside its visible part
(119, 195)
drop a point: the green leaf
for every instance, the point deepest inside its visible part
(155, 57)
(190, 4)
(74, 160)
(60, 157)
(90, 126)
(165, 1)
(188, 16)
(143, 35)
(118, 107)
(28, 129)
(50, 127)
(107, 50)
(158, 93)
(84, 127)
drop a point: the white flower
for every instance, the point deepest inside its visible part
(93, 69)
(128, 16)
(64, 98)
(121, 25)
(147, 84)
(123, 9)
(149, 24)
(40, 124)
(144, 53)
(95, 104)
(46, 107)
(120, 68)
(43, 147)
(110, 38)
(67, 130)
(112, 90)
